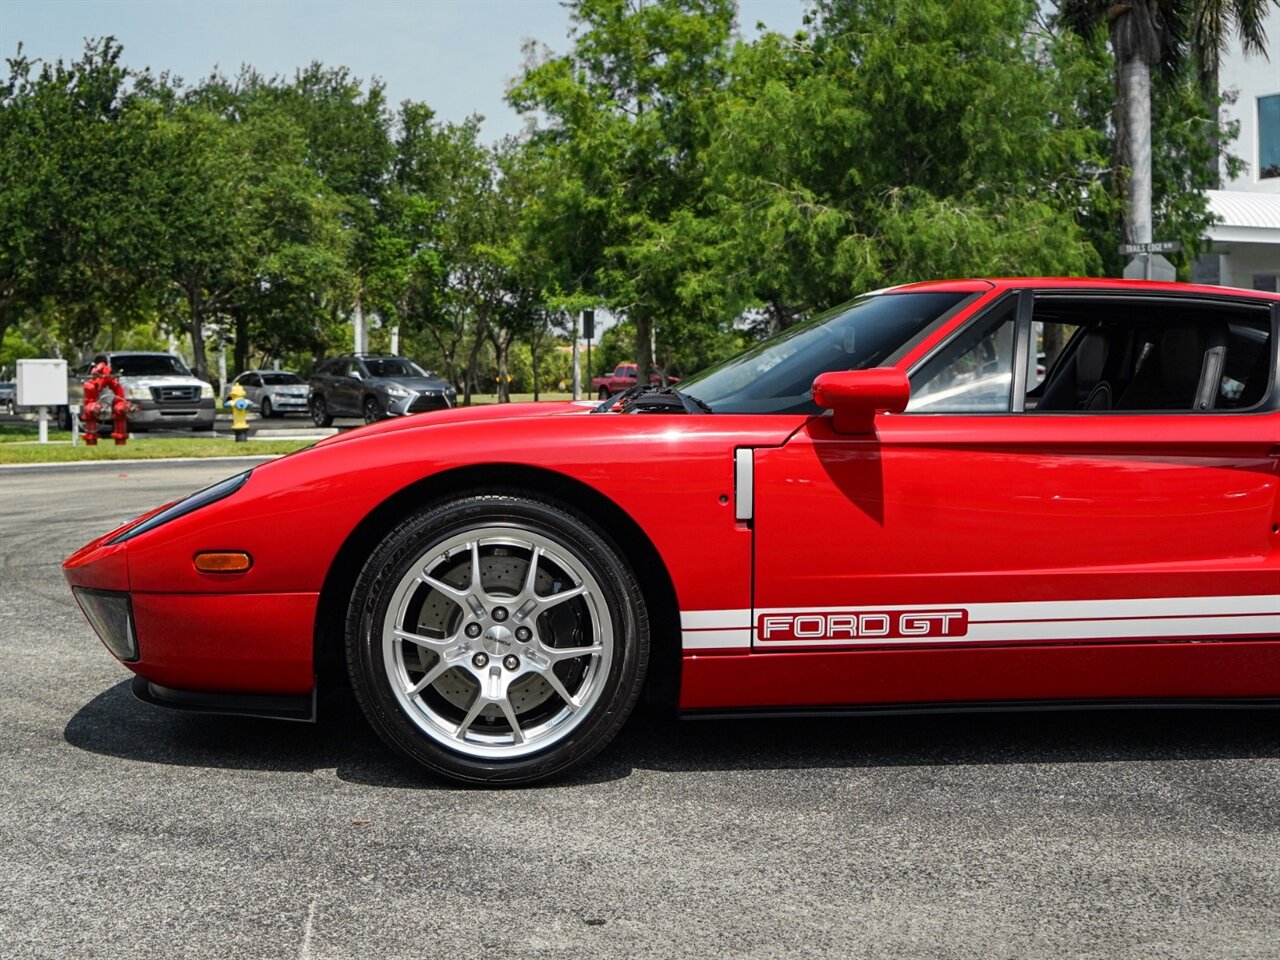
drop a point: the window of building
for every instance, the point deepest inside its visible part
(1269, 136)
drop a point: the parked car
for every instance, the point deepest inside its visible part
(275, 393)
(9, 398)
(164, 392)
(624, 378)
(375, 387)
(816, 525)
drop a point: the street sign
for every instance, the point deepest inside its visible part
(589, 324)
(1150, 267)
(1163, 246)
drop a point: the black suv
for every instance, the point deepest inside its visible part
(374, 386)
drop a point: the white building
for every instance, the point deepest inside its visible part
(1245, 248)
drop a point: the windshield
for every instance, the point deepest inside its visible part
(275, 379)
(396, 367)
(147, 365)
(777, 376)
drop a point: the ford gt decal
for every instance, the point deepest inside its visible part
(892, 624)
(1138, 618)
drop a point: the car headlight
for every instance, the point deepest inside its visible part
(206, 391)
(133, 392)
(110, 613)
(201, 498)
(397, 392)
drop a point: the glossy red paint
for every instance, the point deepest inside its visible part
(856, 396)
(933, 510)
(1183, 671)
(247, 643)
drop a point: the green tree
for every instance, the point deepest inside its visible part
(628, 117)
(73, 224)
(1160, 34)
(896, 142)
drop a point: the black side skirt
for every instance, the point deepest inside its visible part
(301, 708)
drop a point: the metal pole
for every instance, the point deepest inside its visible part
(43, 418)
(577, 362)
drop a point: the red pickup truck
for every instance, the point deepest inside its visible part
(623, 378)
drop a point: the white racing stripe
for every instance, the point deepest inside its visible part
(1139, 618)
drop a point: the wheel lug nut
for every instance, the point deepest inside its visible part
(524, 634)
(499, 614)
(511, 661)
(480, 660)
(473, 630)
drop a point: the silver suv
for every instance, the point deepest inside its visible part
(164, 391)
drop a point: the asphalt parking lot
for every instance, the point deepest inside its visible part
(130, 832)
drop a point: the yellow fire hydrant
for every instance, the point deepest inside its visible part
(239, 413)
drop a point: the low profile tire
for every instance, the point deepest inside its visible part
(604, 393)
(497, 639)
(320, 415)
(267, 412)
(371, 412)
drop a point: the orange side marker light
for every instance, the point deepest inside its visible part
(223, 561)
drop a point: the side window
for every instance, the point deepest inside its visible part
(1246, 371)
(973, 373)
(252, 380)
(1145, 356)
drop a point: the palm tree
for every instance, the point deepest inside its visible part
(1161, 34)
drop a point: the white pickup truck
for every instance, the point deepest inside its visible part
(159, 385)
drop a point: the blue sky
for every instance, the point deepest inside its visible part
(457, 55)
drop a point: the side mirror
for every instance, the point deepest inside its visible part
(856, 396)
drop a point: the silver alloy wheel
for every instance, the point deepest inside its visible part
(498, 642)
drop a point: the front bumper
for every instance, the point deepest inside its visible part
(156, 413)
(286, 404)
(224, 643)
(418, 403)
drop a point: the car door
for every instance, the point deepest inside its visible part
(978, 548)
(347, 388)
(252, 384)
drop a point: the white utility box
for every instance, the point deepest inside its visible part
(42, 383)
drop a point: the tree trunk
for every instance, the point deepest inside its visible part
(471, 369)
(644, 346)
(240, 351)
(1135, 87)
(198, 360)
(501, 347)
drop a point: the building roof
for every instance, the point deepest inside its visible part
(1245, 217)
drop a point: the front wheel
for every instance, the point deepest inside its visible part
(497, 639)
(604, 393)
(267, 412)
(371, 412)
(320, 415)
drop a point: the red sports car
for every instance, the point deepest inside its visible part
(892, 507)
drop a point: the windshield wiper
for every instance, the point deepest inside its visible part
(654, 398)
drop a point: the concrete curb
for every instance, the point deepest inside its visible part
(79, 464)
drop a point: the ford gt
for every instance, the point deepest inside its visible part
(981, 494)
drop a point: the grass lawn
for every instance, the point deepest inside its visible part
(481, 398)
(17, 442)
(147, 448)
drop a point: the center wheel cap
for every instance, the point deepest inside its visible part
(497, 640)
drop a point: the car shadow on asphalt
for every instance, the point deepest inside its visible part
(115, 724)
